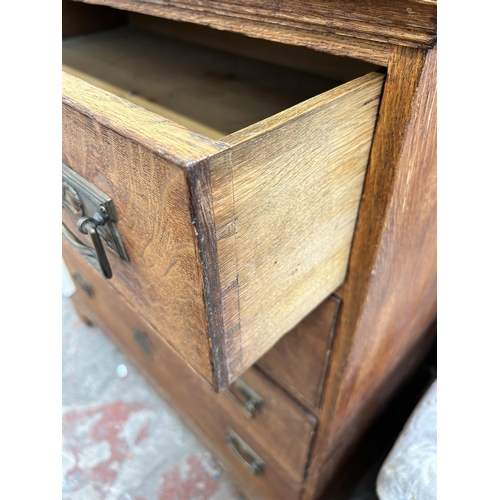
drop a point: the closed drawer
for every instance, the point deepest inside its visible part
(298, 361)
(218, 417)
(231, 240)
(252, 405)
(274, 422)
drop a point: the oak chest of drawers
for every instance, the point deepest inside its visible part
(219, 189)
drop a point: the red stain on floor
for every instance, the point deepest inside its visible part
(104, 424)
(143, 434)
(191, 479)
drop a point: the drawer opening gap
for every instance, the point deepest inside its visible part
(177, 70)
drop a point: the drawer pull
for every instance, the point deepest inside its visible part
(79, 246)
(244, 453)
(97, 255)
(245, 398)
(94, 214)
(88, 225)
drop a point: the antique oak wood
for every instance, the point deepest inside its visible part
(389, 299)
(260, 171)
(152, 204)
(298, 362)
(365, 30)
(240, 223)
(278, 415)
(207, 91)
(275, 199)
(278, 418)
(338, 68)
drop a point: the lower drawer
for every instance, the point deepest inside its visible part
(298, 361)
(245, 444)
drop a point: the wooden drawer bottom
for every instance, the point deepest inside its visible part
(209, 415)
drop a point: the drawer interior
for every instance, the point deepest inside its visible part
(179, 71)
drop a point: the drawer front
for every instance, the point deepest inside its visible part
(298, 361)
(231, 242)
(151, 199)
(275, 420)
(252, 405)
(241, 441)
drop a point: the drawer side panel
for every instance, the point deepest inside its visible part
(289, 212)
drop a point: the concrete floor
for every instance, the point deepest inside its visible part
(120, 440)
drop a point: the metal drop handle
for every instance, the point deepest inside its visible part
(244, 453)
(245, 398)
(81, 199)
(78, 245)
(88, 225)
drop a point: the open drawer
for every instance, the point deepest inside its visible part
(235, 185)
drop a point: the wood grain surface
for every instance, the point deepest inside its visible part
(299, 360)
(208, 414)
(365, 30)
(152, 203)
(164, 137)
(279, 418)
(268, 212)
(287, 196)
(244, 238)
(305, 59)
(208, 91)
(389, 299)
(276, 419)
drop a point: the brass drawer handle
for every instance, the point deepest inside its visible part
(244, 453)
(96, 255)
(88, 225)
(78, 245)
(245, 398)
(94, 213)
